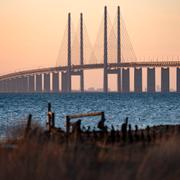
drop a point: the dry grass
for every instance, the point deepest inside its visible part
(31, 160)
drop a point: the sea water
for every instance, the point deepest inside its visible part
(141, 109)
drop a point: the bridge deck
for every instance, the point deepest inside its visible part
(93, 66)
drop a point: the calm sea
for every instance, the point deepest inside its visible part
(142, 109)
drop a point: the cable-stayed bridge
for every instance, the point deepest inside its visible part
(112, 52)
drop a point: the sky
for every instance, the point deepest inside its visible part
(31, 30)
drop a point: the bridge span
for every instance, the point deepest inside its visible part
(33, 80)
(48, 79)
(111, 66)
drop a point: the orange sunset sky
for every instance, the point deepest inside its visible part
(31, 30)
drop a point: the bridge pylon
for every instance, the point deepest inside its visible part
(105, 52)
(106, 69)
(118, 48)
(81, 53)
(68, 75)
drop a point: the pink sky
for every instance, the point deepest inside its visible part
(31, 30)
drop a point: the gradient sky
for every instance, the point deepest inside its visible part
(31, 30)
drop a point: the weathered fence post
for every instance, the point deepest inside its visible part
(102, 116)
(49, 107)
(53, 120)
(28, 126)
(48, 123)
(67, 125)
(49, 117)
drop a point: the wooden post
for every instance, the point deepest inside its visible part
(48, 123)
(49, 107)
(84, 115)
(102, 116)
(53, 120)
(67, 124)
(49, 118)
(28, 126)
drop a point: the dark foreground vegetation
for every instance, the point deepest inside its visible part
(37, 154)
(31, 152)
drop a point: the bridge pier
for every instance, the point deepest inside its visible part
(4, 85)
(38, 83)
(16, 84)
(1, 86)
(13, 85)
(125, 80)
(10, 85)
(68, 81)
(7, 85)
(64, 84)
(105, 82)
(67, 76)
(178, 79)
(82, 81)
(25, 84)
(164, 80)
(19, 84)
(138, 80)
(55, 82)
(47, 82)
(119, 81)
(31, 87)
(151, 87)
